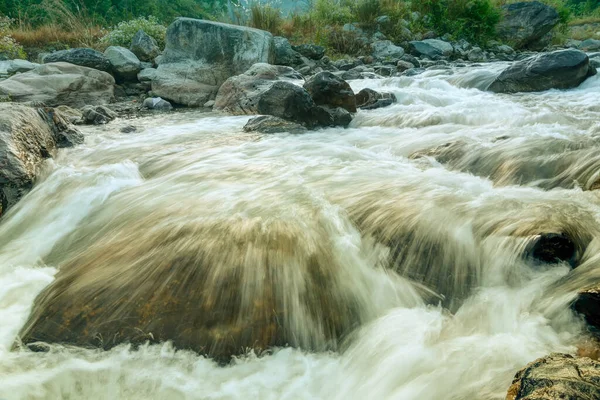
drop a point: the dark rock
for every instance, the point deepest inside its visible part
(125, 64)
(557, 376)
(83, 57)
(156, 103)
(327, 89)
(285, 54)
(369, 99)
(552, 248)
(271, 124)
(60, 84)
(98, 115)
(128, 129)
(201, 55)
(563, 69)
(144, 46)
(525, 24)
(588, 304)
(411, 59)
(347, 65)
(310, 51)
(431, 48)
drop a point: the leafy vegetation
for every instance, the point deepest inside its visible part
(122, 34)
(9, 48)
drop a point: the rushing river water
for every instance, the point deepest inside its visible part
(407, 230)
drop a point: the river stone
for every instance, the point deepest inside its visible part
(557, 376)
(97, 115)
(156, 103)
(562, 69)
(310, 51)
(144, 46)
(285, 54)
(525, 24)
(83, 57)
(125, 64)
(589, 45)
(431, 48)
(588, 304)
(385, 49)
(27, 137)
(60, 84)
(271, 124)
(369, 99)
(201, 55)
(329, 90)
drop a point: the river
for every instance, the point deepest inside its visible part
(451, 184)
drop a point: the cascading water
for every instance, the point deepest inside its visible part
(390, 260)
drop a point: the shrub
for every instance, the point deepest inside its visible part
(9, 48)
(122, 34)
(265, 17)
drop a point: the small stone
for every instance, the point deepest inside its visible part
(128, 129)
(157, 103)
(271, 124)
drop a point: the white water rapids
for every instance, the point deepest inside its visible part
(451, 179)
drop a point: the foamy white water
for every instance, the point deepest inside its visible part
(418, 215)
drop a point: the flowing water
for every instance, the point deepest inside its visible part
(391, 253)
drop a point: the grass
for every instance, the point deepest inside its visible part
(55, 36)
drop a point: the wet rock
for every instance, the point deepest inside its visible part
(82, 57)
(74, 116)
(268, 90)
(27, 137)
(157, 103)
(326, 89)
(525, 24)
(201, 55)
(552, 248)
(285, 54)
(128, 129)
(97, 115)
(60, 84)
(589, 45)
(271, 124)
(431, 48)
(333, 116)
(125, 64)
(557, 376)
(144, 46)
(563, 69)
(385, 49)
(414, 71)
(310, 51)
(476, 55)
(386, 70)
(369, 99)
(404, 65)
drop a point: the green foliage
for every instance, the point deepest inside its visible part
(9, 48)
(265, 17)
(122, 34)
(331, 12)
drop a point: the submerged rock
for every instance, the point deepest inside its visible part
(525, 24)
(562, 69)
(552, 248)
(83, 57)
(27, 137)
(60, 84)
(201, 55)
(326, 89)
(557, 376)
(271, 124)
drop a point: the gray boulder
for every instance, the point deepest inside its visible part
(125, 64)
(285, 54)
(476, 55)
(326, 89)
(156, 103)
(431, 48)
(310, 51)
(60, 84)
(589, 45)
(557, 376)
(146, 75)
(12, 67)
(385, 49)
(562, 69)
(97, 115)
(144, 46)
(524, 25)
(271, 124)
(27, 137)
(200, 55)
(83, 57)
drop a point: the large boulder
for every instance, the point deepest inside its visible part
(125, 64)
(310, 51)
(144, 46)
(83, 57)
(562, 69)
(60, 84)
(431, 48)
(268, 90)
(200, 55)
(557, 376)
(589, 45)
(385, 49)
(27, 137)
(525, 24)
(285, 54)
(329, 90)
